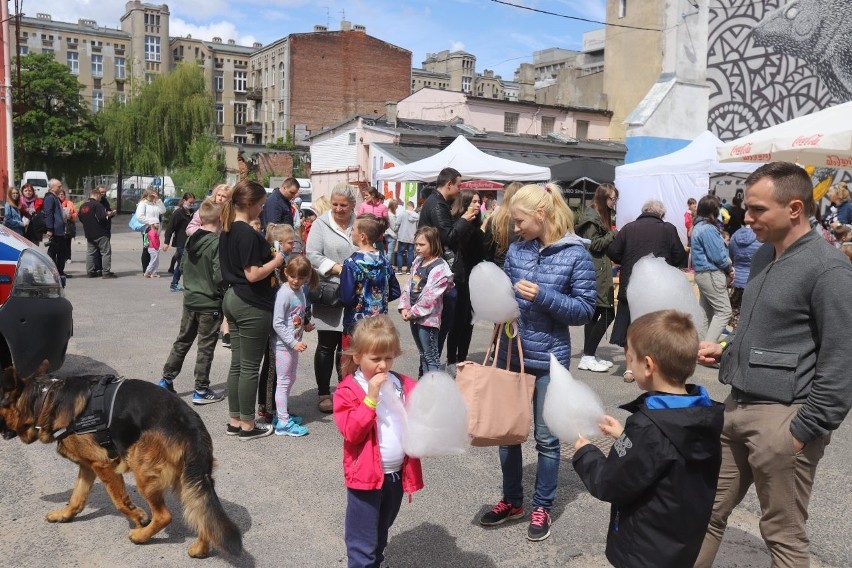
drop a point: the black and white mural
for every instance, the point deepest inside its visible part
(772, 60)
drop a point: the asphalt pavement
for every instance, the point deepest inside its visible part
(287, 494)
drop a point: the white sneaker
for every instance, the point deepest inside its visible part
(605, 362)
(589, 363)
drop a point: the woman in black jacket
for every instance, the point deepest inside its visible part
(176, 236)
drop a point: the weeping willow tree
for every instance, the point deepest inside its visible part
(155, 128)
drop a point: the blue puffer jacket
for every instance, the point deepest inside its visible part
(744, 245)
(566, 296)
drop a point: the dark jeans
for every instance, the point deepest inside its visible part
(404, 254)
(426, 341)
(326, 358)
(369, 516)
(249, 328)
(146, 258)
(448, 317)
(547, 470)
(58, 250)
(596, 328)
(176, 263)
(622, 322)
(458, 339)
(266, 381)
(206, 328)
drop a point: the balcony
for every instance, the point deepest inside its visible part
(254, 94)
(254, 128)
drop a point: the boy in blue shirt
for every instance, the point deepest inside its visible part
(662, 470)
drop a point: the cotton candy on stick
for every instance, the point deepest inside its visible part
(491, 294)
(655, 285)
(437, 418)
(571, 407)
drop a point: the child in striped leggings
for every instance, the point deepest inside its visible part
(288, 321)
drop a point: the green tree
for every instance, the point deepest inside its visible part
(205, 166)
(155, 128)
(52, 118)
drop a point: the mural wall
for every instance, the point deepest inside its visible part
(772, 60)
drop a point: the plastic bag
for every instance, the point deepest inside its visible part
(437, 418)
(491, 294)
(571, 407)
(655, 286)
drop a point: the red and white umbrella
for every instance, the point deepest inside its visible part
(823, 138)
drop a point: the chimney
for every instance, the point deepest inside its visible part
(257, 45)
(390, 112)
(526, 80)
(91, 23)
(47, 17)
(319, 28)
(232, 42)
(359, 28)
(217, 40)
(345, 26)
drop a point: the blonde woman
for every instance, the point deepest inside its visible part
(148, 211)
(500, 229)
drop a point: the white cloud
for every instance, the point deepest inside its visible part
(223, 29)
(457, 46)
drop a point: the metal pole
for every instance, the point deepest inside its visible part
(6, 105)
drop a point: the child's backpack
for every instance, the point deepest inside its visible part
(145, 242)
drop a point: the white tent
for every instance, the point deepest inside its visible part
(470, 161)
(672, 179)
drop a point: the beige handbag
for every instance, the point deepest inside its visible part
(499, 401)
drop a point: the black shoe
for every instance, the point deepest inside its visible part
(259, 431)
(539, 524)
(170, 271)
(108, 275)
(92, 274)
(232, 430)
(68, 275)
(501, 513)
(226, 340)
(100, 272)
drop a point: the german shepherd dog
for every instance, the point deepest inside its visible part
(156, 435)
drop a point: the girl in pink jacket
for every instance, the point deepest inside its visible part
(375, 467)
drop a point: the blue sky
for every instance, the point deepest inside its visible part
(500, 36)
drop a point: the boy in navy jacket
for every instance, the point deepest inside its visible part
(662, 470)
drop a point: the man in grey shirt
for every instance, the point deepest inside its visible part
(790, 380)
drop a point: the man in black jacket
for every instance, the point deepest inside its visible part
(95, 222)
(110, 213)
(278, 207)
(436, 213)
(648, 234)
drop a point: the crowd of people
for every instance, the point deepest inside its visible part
(259, 276)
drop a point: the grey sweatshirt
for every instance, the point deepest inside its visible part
(789, 346)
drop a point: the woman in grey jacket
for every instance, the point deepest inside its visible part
(329, 244)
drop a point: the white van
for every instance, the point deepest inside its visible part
(38, 180)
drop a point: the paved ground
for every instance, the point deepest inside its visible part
(287, 494)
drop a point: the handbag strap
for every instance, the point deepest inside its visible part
(495, 344)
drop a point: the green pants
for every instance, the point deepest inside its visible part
(249, 329)
(192, 325)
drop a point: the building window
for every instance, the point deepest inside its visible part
(622, 8)
(149, 78)
(97, 101)
(152, 20)
(152, 48)
(239, 114)
(240, 79)
(120, 69)
(351, 138)
(239, 139)
(122, 98)
(219, 82)
(510, 122)
(97, 65)
(46, 51)
(547, 124)
(23, 50)
(73, 62)
(220, 114)
(582, 130)
(465, 84)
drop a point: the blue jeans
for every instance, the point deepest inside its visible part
(391, 244)
(547, 471)
(426, 340)
(404, 254)
(176, 276)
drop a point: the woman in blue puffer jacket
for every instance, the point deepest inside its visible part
(555, 285)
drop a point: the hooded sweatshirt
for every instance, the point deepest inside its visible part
(406, 225)
(202, 278)
(660, 477)
(744, 245)
(367, 285)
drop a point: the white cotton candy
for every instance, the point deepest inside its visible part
(571, 407)
(437, 418)
(655, 285)
(491, 294)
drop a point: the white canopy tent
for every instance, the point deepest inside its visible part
(672, 179)
(470, 161)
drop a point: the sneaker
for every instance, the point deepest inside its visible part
(108, 275)
(259, 431)
(232, 430)
(92, 274)
(167, 384)
(290, 429)
(226, 340)
(604, 362)
(176, 289)
(207, 396)
(501, 513)
(539, 524)
(589, 363)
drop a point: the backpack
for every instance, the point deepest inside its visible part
(37, 227)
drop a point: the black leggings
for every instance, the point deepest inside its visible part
(461, 332)
(326, 358)
(596, 328)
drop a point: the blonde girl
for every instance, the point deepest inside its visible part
(499, 230)
(376, 470)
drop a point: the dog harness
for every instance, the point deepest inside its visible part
(97, 416)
